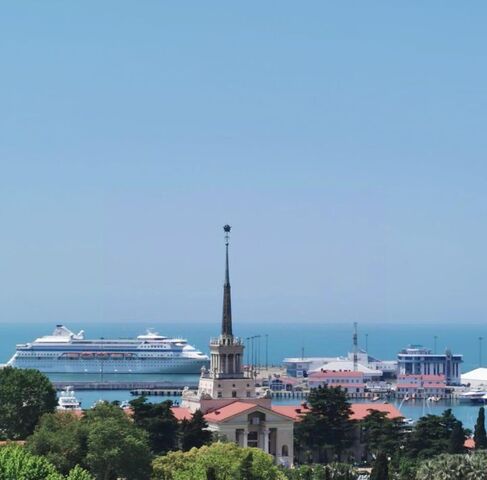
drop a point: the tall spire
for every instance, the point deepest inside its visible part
(227, 302)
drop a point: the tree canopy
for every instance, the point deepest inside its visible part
(16, 463)
(158, 420)
(327, 426)
(25, 395)
(61, 438)
(223, 461)
(194, 432)
(380, 433)
(431, 435)
(105, 441)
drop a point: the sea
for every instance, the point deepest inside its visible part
(270, 343)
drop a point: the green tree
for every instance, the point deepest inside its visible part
(25, 395)
(380, 433)
(77, 473)
(194, 432)
(158, 420)
(116, 447)
(480, 436)
(326, 427)
(380, 470)
(61, 438)
(431, 436)
(456, 442)
(223, 460)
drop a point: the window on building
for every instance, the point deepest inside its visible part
(234, 394)
(285, 451)
(253, 439)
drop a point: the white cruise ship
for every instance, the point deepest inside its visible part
(67, 352)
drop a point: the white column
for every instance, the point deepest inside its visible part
(245, 433)
(266, 440)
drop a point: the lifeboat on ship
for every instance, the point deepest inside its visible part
(72, 355)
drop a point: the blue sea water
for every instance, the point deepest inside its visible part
(285, 340)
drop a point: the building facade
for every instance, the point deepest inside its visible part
(352, 382)
(421, 386)
(417, 360)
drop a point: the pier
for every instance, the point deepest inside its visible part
(124, 385)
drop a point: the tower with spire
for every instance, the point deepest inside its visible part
(226, 377)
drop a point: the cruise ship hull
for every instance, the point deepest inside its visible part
(179, 366)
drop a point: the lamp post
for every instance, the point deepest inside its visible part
(480, 351)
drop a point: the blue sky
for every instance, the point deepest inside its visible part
(344, 141)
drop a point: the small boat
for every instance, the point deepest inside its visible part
(67, 400)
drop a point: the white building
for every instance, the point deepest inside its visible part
(417, 360)
(373, 368)
(475, 378)
(351, 382)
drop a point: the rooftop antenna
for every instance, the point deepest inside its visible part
(436, 338)
(355, 347)
(302, 353)
(367, 343)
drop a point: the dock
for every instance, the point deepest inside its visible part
(125, 385)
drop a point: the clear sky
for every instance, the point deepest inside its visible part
(345, 142)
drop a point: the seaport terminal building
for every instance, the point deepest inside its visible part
(417, 360)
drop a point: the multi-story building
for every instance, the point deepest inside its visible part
(417, 360)
(352, 382)
(421, 386)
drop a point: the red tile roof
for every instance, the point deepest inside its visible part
(228, 411)
(359, 410)
(469, 443)
(181, 413)
(292, 411)
(336, 374)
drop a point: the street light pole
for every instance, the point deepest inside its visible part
(480, 351)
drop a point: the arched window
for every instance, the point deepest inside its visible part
(285, 451)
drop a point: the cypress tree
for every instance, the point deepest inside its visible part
(245, 469)
(457, 439)
(380, 471)
(479, 436)
(194, 432)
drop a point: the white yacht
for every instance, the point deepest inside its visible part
(67, 400)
